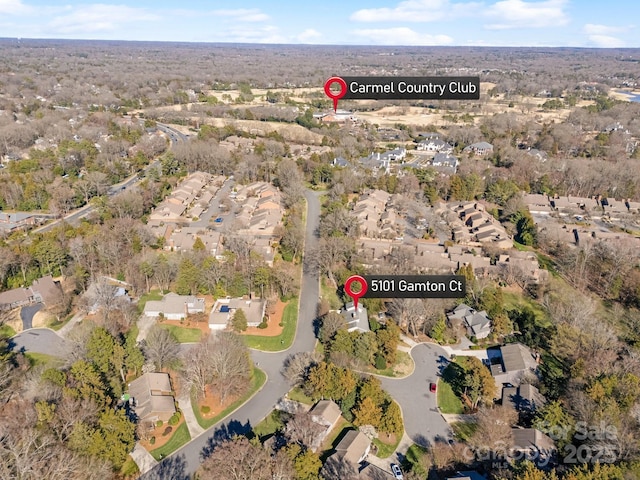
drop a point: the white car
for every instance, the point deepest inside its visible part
(397, 473)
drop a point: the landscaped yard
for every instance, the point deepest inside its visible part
(328, 292)
(297, 395)
(516, 301)
(448, 402)
(178, 439)
(282, 341)
(184, 334)
(7, 331)
(257, 381)
(413, 460)
(152, 295)
(43, 359)
(270, 425)
(385, 450)
(464, 430)
(401, 368)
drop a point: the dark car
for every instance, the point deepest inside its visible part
(433, 387)
(397, 473)
(218, 220)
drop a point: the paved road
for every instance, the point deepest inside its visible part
(422, 421)
(184, 462)
(39, 340)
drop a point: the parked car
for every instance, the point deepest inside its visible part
(397, 473)
(218, 220)
(433, 387)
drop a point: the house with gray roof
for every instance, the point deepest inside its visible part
(356, 320)
(510, 363)
(152, 397)
(445, 163)
(533, 445)
(476, 323)
(479, 148)
(225, 308)
(354, 447)
(523, 398)
(174, 306)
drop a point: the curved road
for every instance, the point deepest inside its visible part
(422, 420)
(184, 462)
(39, 340)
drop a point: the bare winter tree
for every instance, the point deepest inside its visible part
(296, 366)
(303, 430)
(161, 347)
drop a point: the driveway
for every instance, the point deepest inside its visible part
(422, 420)
(39, 340)
(27, 313)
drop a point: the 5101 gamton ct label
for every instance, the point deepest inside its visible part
(413, 286)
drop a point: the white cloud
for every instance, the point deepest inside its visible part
(606, 41)
(417, 11)
(13, 7)
(401, 36)
(98, 18)
(520, 14)
(242, 14)
(594, 29)
(309, 35)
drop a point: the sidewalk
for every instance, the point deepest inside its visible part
(455, 417)
(184, 400)
(143, 459)
(77, 318)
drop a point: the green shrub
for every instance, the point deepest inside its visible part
(381, 363)
(263, 325)
(159, 423)
(205, 409)
(152, 440)
(175, 419)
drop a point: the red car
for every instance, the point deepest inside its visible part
(433, 387)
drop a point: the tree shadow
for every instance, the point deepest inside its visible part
(173, 467)
(442, 363)
(225, 432)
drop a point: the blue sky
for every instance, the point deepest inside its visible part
(580, 23)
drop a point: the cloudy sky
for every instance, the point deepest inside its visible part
(581, 23)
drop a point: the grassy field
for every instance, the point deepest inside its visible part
(516, 301)
(413, 460)
(329, 293)
(282, 341)
(7, 331)
(184, 334)
(448, 402)
(403, 360)
(464, 430)
(178, 439)
(257, 381)
(43, 359)
(385, 450)
(129, 468)
(270, 425)
(297, 395)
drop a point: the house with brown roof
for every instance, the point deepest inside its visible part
(354, 447)
(42, 290)
(152, 397)
(326, 413)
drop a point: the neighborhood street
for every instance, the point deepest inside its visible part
(422, 420)
(39, 340)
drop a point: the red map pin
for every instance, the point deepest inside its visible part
(349, 290)
(335, 96)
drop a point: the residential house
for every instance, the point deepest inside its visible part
(523, 398)
(354, 447)
(224, 309)
(510, 363)
(106, 289)
(445, 163)
(434, 145)
(355, 320)
(467, 475)
(43, 290)
(477, 324)
(174, 306)
(152, 397)
(340, 162)
(533, 445)
(326, 413)
(479, 148)
(11, 221)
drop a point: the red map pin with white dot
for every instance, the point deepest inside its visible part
(348, 288)
(335, 96)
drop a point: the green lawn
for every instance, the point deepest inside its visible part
(270, 425)
(516, 301)
(6, 331)
(385, 450)
(184, 334)
(257, 381)
(464, 430)
(329, 293)
(129, 468)
(413, 460)
(402, 358)
(448, 402)
(178, 439)
(152, 295)
(43, 359)
(297, 395)
(282, 341)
